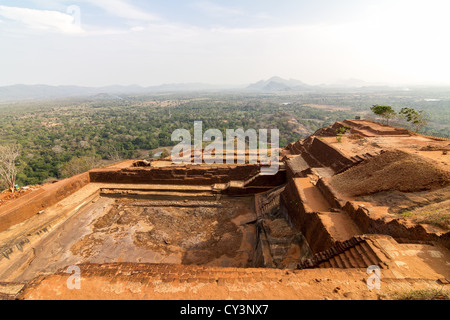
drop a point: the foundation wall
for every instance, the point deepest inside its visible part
(393, 227)
(305, 153)
(175, 175)
(305, 220)
(269, 181)
(376, 128)
(329, 194)
(327, 155)
(31, 204)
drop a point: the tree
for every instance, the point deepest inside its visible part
(57, 149)
(8, 168)
(418, 119)
(78, 165)
(113, 153)
(341, 132)
(386, 112)
(165, 153)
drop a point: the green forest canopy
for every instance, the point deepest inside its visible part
(54, 133)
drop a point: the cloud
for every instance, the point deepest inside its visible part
(263, 16)
(42, 19)
(139, 28)
(122, 9)
(218, 11)
(382, 44)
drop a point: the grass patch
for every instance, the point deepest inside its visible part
(407, 214)
(436, 214)
(431, 294)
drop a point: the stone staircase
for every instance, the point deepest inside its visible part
(358, 252)
(283, 251)
(281, 246)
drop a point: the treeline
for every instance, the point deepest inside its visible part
(57, 138)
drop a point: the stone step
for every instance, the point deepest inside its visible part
(360, 252)
(372, 256)
(359, 262)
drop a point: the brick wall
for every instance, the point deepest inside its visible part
(175, 175)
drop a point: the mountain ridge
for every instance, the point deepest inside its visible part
(23, 92)
(279, 84)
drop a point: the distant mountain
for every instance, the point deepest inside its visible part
(30, 92)
(42, 92)
(177, 87)
(279, 84)
(22, 92)
(26, 92)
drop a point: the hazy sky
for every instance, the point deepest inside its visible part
(106, 42)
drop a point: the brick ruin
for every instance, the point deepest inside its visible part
(155, 230)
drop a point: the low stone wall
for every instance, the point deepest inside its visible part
(328, 156)
(31, 204)
(126, 281)
(304, 219)
(269, 181)
(318, 153)
(330, 131)
(175, 175)
(376, 128)
(329, 193)
(395, 228)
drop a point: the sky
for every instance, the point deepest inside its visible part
(223, 42)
